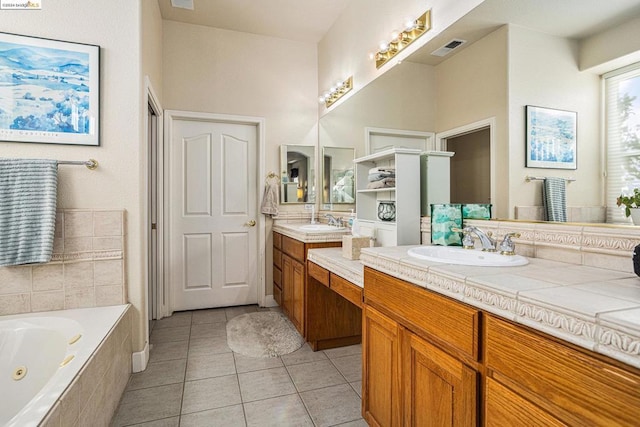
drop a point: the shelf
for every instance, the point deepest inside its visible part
(386, 155)
(376, 190)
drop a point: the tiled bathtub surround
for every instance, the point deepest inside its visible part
(602, 246)
(87, 268)
(93, 396)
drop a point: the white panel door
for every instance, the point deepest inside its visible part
(213, 243)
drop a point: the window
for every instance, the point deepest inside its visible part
(622, 115)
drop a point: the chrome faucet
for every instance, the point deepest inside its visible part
(333, 220)
(507, 247)
(313, 214)
(488, 244)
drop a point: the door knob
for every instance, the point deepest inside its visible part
(250, 223)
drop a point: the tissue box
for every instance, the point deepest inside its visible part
(351, 246)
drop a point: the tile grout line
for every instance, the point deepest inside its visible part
(186, 367)
(235, 366)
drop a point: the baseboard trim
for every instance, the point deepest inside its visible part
(139, 359)
(269, 301)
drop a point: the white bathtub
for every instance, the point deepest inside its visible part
(49, 349)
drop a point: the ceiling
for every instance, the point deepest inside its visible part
(574, 19)
(300, 20)
(309, 20)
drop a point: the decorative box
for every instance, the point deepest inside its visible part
(476, 211)
(445, 217)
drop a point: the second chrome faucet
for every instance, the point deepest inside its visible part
(489, 244)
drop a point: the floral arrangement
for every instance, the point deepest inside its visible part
(629, 202)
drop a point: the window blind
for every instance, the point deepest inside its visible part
(622, 133)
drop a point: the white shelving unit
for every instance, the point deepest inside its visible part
(435, 185)
(405, 230)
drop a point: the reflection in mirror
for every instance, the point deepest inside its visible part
(297, 174)
(338, 183)
(547, 47)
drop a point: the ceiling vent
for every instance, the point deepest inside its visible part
(182, 4)
(447, 48)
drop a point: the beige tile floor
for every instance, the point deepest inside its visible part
(194, 379)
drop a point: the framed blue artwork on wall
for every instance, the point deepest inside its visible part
(551, 138)
(49, 91)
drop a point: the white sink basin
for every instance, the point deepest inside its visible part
(457, 255)
(320, 227)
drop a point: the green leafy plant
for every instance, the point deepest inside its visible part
(629, 202)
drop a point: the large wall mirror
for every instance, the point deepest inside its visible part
(431, 94)
(297, 174)
(338, 178)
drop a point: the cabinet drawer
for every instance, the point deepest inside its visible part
(293, 248)
(576, 387)
(347, 289)
(277, 240)
(318, 273)
(277, 258)
(452, 323)
(503, 407)
(277, 277)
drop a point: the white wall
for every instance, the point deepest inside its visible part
(344, 50)
(543, 71)
(611, 49)
(219, 71)
(403, 98)
(152, 45)
(115, 26)
(473, 86)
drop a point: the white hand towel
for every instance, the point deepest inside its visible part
(270, 197)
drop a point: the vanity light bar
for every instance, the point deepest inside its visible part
(402, 39)
(336, 92)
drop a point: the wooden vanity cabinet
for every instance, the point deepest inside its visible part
(289, 276)
(548, 382)
(422, 365)
(333, 309)
(411, 375)
(277, 268)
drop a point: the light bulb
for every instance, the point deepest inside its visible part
(384, 46)
(409, 24)
(321, 99)
(394, 36)
(372, 55)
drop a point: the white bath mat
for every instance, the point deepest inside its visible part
(263, 334)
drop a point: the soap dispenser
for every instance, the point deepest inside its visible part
(352, 217)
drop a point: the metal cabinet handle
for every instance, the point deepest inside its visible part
(251, 223)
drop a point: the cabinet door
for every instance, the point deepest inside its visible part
(439, 390)
(287, 285)
(381, 394)
(503, 407)
(297, 303)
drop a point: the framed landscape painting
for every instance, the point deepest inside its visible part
(551, 138)
(49, 91)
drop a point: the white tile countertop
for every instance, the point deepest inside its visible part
(293, 230)
(595, 308)
(332, 260)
